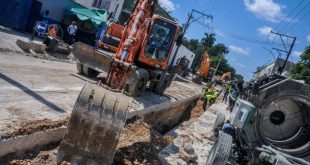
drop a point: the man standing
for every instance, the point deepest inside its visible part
(100, 34)
(72, 31)
(226, 92)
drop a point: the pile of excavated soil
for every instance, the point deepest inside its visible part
(138, 144)
(30, 127)
(197, 110)
(39, 156)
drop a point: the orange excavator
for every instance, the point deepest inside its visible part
(135, 54)
(203, 69)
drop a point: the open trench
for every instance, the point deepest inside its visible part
(141, 140)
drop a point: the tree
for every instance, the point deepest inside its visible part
(239, 77)
(215, 51)
(301, 70)
(208, 40)
(218, 50)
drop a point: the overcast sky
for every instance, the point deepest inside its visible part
(244, 26)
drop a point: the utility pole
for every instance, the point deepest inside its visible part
(217, 66)
(285, 51)
(185, 27)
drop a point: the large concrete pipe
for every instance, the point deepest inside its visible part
(283, 117)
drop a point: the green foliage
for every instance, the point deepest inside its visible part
(239, 77)
(301, 71)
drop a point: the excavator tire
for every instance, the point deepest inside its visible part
(140, 83)
(162, 85)
(96, 122)
(89, 71)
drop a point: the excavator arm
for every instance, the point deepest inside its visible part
(130, 44)
(100, 112)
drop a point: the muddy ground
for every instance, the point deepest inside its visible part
(138, 144)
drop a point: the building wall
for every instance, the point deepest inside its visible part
(274, 67)
(183, 51)
(110, 5)
(86, 3)
(57, 8)
(116, 7)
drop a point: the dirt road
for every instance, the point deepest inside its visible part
(34, 89)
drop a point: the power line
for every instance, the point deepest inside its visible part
(304, 16)
(236, 36)
(300, 11)
(289, 14)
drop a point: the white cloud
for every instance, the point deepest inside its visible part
(240, 65)
(242, 51)
(297, 53)
(266, 9)
(265, 30)
(168, 5)
(220, 33)
(308, 38)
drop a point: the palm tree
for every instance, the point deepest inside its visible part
(208, 40)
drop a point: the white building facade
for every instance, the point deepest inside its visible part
(114, 6)
(183, 51)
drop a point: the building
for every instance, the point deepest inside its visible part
(183, 51)
(58, 8)
(274, 68)
(114, 6)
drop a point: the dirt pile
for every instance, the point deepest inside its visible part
(30, 127)
(138, 144)
(198, 110)
(39, 156)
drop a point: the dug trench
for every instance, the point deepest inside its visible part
(140, 142)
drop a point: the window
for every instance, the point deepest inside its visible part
(160, 40)
(94, 3)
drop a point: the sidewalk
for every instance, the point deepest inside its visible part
(196, 134)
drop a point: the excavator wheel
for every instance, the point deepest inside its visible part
(96, 122)
(89, 71)
(162, 85)
(139, 84)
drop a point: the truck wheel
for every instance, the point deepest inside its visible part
(219, 122)
(139, 83)
(79, 68)
(162, 85)
(89, 71)
(197, 79)
(220, 151)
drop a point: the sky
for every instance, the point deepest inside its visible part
(250, 20)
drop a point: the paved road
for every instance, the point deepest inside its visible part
(32, 88)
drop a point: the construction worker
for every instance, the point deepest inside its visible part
(209, 97)
(72, 31)
(226, 92)
(100, 33)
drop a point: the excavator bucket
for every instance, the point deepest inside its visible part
(99, 60)
(96, 122)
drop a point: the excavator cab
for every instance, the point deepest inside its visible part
(159, 42)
